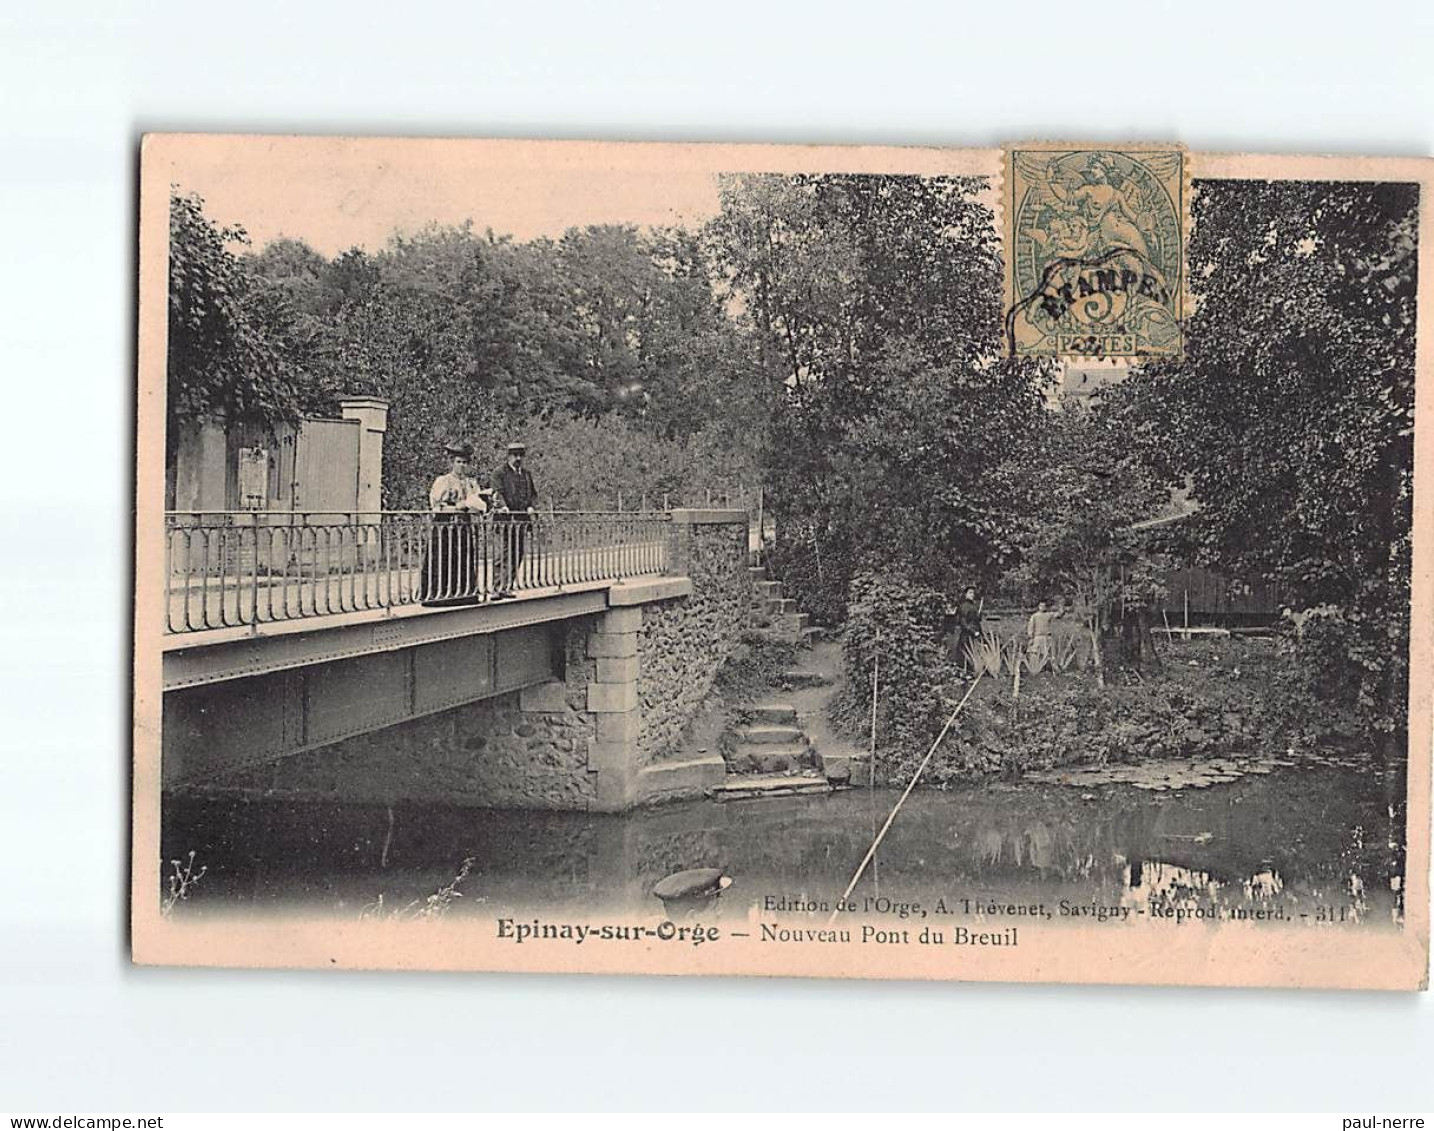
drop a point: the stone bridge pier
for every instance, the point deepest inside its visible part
(575, 701)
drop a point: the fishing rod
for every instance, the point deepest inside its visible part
(871, 852)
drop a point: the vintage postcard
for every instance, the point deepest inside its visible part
(1005, 565)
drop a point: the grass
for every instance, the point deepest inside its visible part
(182, 880)
(434, 906)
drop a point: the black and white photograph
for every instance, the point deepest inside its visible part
(638, 558)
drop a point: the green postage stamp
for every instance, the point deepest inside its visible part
(1095, 251)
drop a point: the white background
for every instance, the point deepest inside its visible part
(81, 1030)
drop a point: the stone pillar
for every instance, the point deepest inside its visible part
(679, 543)
(200, 469)
(372, 415)
(614, 703)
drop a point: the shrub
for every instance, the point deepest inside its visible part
(1213, 699)
(815, 572)
(754, 666)
(893, 617)
(584, 463)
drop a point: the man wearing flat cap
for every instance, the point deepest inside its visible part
(517, 498)
(450, 562)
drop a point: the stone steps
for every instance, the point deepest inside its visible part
(783, 713)
(782, 615)
(798, 677)
(772, 755)
(843, 769)
(770, 758)
(771, 734)
(770, 785)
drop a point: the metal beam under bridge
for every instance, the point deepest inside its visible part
(237, 698)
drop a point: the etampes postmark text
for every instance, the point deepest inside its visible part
(1095, 243)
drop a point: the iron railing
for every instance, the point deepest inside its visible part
(228, 569)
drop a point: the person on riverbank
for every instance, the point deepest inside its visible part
(968, 630)
(1040, 650)
(517, 497)
(450, 560)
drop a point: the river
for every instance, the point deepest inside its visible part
(1287, 844)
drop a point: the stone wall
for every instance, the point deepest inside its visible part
(684, 642)
(527, 749)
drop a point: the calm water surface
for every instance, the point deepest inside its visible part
(1289, 844)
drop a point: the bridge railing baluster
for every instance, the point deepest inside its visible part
(225, 569)
(253, 601)
(328, 533)
(270, 535)
(344, 536)
(214, 548)
(467, 580)
(188, 578)
(362, 567)
(294, 570)
(168, 580)
(391, 538)
(355, 564)
(211, 580)
(348, 568)
(339, 539)
(309, 590)
(312, 556)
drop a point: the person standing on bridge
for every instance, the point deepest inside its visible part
(450, 560)
(517, 503)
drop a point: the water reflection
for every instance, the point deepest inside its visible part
(1323, 843)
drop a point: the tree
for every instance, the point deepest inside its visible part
(1291, 413)
(295, 269)
(1083, 495)
(876, 303)
(230, 351)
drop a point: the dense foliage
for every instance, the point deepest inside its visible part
(230, 353)
(1085, 495)
(477, 336)
(896, 623)
(1217, 699)
(875, 303)
(1291, 415)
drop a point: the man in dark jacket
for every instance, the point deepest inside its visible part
(517, 498)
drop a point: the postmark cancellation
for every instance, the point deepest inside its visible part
(1095, 251)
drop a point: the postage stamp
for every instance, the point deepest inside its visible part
(1095, 251)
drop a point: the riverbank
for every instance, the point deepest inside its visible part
(1218, 700)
